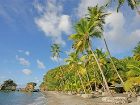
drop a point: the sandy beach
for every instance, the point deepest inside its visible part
(55, 98)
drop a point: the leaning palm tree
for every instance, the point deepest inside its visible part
(98, 15)
(82, 41)
(73, 61)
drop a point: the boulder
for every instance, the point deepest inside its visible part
(87, 95)
(115, 100)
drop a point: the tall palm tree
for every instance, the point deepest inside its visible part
(73, 60)
(98, 15)
(55, 49)
(84, 60)
(82, 41)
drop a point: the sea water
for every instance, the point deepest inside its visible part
(19, 98)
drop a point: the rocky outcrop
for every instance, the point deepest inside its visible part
(30, 86)
(9, 85)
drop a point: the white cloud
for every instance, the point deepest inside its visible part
(84, 4)
(23, 61)
(20, 51)
(69, 51)
(56, 59)
(52, 22)
(27, 71)
(136, 19)
(40, 64)
(27, 53)
(24, 52)
(118, 37)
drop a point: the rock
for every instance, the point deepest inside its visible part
(104, 94)
(78, 94)
(96, 93)
(115, 100)
(87, 95)
(73, 93)
(100, 91)
(69, 93)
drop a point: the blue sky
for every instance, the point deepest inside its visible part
(29, 27)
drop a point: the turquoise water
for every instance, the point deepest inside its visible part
(18, 98)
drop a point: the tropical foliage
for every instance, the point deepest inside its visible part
(133, 4)
(87, 69)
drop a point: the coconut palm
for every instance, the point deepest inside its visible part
(98, 15)
(73, 60)
(134, 4)
(84, 59)
(85, 30)
(55, 49)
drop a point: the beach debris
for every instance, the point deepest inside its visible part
(87, 95)
(104, 94)
(78, 94)
(115, 100)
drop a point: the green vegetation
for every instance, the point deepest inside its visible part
(133, 4)
(8, 85)
(89, 69)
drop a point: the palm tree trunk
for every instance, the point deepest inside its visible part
(103, 76)
(112, 61)
(95, 82)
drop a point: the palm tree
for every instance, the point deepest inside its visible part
(137, 49)
(98, 15)
(136, 52)
(73, 60)
(84, 60)
(55, 49)
(132, 3)
(85, 30)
